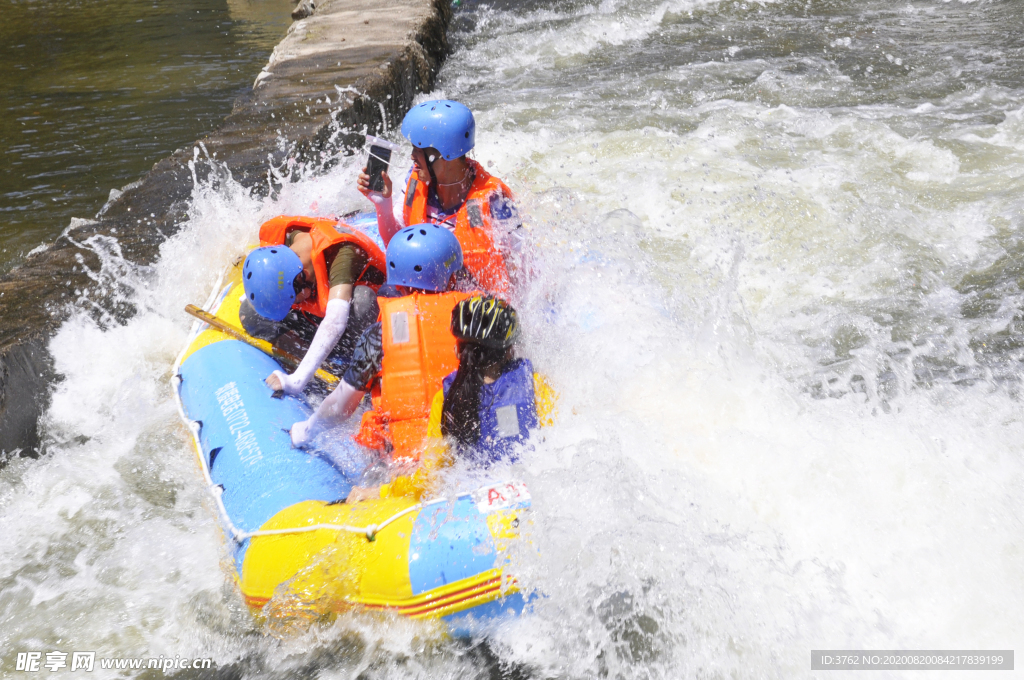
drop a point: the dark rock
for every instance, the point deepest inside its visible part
(304, 9)
(25, 375)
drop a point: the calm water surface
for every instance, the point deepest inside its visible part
(92, 94)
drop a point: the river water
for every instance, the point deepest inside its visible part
(93, 95)
(778, 281)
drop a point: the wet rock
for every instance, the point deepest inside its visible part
(304, 9)
(24, 376)
(354, 62)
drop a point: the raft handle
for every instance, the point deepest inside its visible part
(213, 456)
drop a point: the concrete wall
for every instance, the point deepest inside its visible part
(386, 50)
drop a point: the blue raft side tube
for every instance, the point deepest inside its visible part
(451, 542)
(244, 437)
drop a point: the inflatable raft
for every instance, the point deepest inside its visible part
(294, 542)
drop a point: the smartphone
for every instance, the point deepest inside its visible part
(377, 161)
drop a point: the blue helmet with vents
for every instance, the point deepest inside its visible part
(268, 277)
(443, 125)
(423, 256)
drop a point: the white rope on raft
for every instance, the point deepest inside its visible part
(370, 531)
(217, 491)
(216, 296)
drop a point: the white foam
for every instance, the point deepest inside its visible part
(776, 428)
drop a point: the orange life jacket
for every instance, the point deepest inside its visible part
(473, 226)
(418, 351)
(326, 234)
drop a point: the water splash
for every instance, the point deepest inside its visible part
(777, 295)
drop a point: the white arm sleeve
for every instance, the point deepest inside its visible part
(327, 334)
(337, 407)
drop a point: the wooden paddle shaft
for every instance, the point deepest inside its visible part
(262, 345)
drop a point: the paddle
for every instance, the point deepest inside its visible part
(262, 345)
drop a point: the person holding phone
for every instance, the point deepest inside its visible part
(448, 188)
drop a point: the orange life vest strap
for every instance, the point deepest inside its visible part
(373, 432)
(408, 438)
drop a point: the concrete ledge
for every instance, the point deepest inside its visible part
(353, 63)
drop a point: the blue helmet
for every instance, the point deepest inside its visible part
(443, 125)
(423, 256)
(268, 277)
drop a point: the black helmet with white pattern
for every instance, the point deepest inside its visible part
(487, 321)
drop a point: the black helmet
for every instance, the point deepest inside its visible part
(487, 321)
